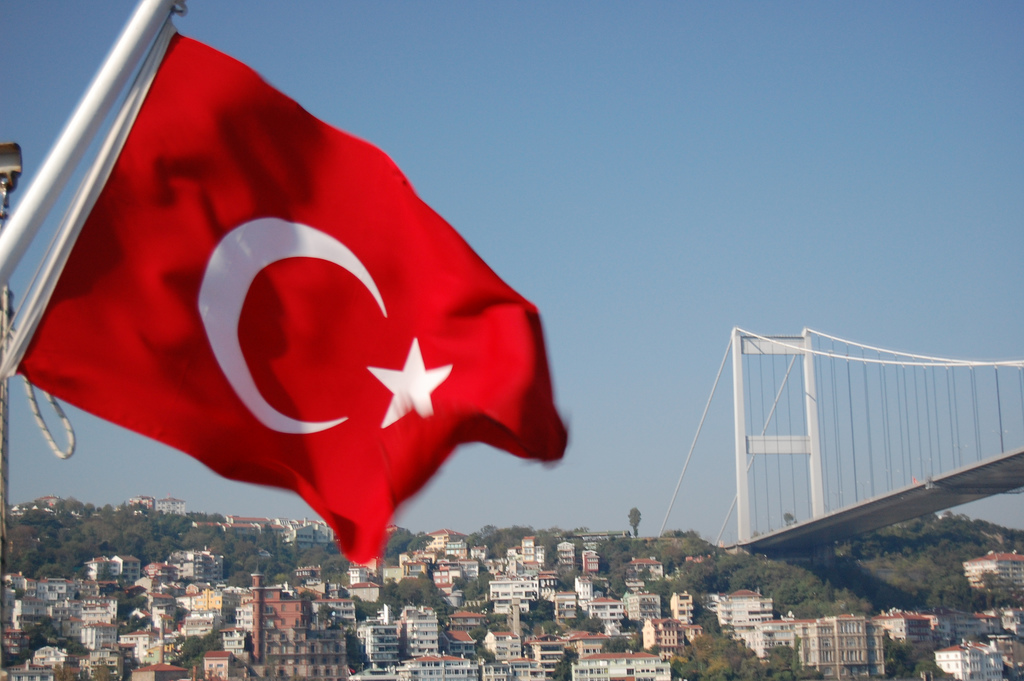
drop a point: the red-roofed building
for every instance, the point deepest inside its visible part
(161, 573)
(971, 661)
(621, 667)
(160, 672)
(586, 643)
(439, 668)
(365, 591)
(447, 542)
(217, 664)
(905, 626)
(639, 567)
(1005, 568)
(465, 621)
(458, 643)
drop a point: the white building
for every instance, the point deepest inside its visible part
(1007, 568)
(971, 662)
(642, 606)
(609, 610)
(199, 566)
(742, 610)
(503, 592)
(99, 635)
(566, 555)
(30, 672)
(127, 567)
(633, 666)
(585, 591)
(380, 639)
(305, 534)
(522, 669)
(504, 644)
(438, 668)
(418, 632)
(201, 623)
(169, 505)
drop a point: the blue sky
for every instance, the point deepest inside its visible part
(650, 175)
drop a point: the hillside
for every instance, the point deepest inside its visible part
(912, 565)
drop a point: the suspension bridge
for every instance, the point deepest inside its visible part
(834, 438)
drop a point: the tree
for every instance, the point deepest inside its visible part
(634, 520)
(563, 670)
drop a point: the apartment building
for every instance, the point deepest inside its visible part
(1005, 568)
(668, 634)
(642, 606)
(438, 668)
(505, 645)
(681, 607)
(970, 661)
(504, 592)
(418, 632)
(198, 566)
(616, 666)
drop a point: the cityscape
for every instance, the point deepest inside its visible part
(530, 604)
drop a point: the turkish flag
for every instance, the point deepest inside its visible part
(267, 293)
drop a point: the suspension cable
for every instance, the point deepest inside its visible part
(919, 360)
(867, 416)
(697, 435)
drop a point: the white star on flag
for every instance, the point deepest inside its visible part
(411, 387)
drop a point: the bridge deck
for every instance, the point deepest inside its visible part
(996, 475)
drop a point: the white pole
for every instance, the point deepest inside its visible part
(811, 401)
(79, 131)
(740, 423)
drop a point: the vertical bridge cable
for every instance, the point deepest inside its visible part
(917, 419)
(867, 416)
(887, 439)
(977, 421)
(853, 431)
(835, 430)
(819, 388)
(952, 439)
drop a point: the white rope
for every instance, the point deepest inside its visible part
(44, 428)
(922, 360)
(41, 287)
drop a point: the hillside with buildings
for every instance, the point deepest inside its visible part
(147, 590)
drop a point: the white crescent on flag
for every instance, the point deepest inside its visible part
(234, 264)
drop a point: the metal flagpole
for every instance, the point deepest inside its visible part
(127, 53)
(10, 169)
(80, 130)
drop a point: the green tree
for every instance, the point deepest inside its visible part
(634, 520)
(195, 648)
(563, 669)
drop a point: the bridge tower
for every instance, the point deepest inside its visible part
(749, 445)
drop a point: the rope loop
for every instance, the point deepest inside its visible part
(44, 428)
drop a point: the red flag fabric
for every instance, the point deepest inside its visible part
(267, 293)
